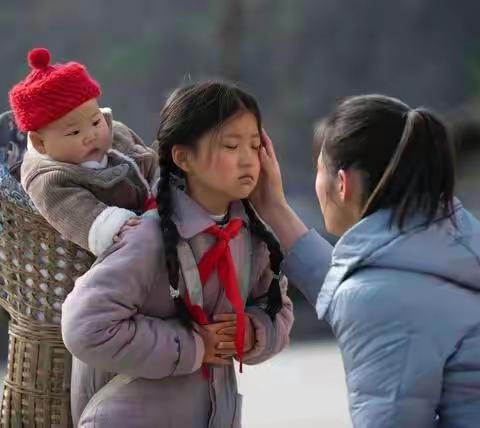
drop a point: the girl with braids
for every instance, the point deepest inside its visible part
(402, 293)
(156, 323)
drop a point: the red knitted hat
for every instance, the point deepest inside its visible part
(50, 91)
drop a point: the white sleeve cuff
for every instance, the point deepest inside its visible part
(107, 224)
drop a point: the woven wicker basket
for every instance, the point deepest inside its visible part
(37, 270)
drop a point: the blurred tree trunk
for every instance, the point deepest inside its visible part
(231, 29)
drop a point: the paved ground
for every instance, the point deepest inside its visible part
(303, 387)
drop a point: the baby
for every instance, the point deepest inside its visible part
(88, 175)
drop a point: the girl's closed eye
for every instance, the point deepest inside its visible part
(73, 133)
(230, 146)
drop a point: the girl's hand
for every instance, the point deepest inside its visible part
(129, 224)
(268, 194)
(212, 337)
(231, 330)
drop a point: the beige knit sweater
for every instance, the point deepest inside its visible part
(89, 206)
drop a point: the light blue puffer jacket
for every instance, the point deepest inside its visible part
(405, 309)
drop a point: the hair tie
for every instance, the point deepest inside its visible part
(277, 276)
(174, 292)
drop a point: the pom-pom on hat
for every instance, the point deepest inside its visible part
(50, 91)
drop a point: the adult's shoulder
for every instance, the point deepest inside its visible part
(377, 296)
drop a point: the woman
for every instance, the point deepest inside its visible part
(402, 290)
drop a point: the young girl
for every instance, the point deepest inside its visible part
(402, 293)
(168, 307)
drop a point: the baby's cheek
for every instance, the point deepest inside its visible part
(107, 137)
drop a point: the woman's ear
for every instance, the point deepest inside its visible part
(349, 184)
(37, 142)
(181, 156)
(343, 184)
(350, 187)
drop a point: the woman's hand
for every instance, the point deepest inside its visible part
(269, 199)
(268, 194)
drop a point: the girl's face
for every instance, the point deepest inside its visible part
(339, 197)
(225, 164)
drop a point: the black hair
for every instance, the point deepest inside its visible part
(189, 113)
(405, 155)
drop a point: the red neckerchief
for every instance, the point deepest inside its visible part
(219, 257)
(150, 203)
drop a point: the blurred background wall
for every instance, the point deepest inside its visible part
(297, 56)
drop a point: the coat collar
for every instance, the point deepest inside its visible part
(374, 238)
(192, 219)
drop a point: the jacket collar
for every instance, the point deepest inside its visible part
(373, 239)
(192, 219)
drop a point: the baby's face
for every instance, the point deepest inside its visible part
(81, 135)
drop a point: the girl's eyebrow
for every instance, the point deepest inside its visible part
(235, 135)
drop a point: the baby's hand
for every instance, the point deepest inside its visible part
(129, 224)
